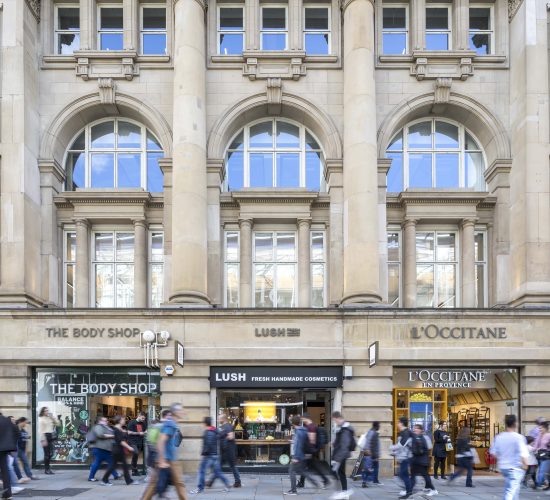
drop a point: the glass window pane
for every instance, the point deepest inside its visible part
(317, 246)
(446, 247)
(104, 246)
(480, 285)
(479, 249)
(273, 18)
(152, 143)
(288, 170)
(285, 285)
(157, 247)
(69, 285)
(263, 247)
(316, 43)
(446, 170)
(104, 285)
(481, 43)
(437, 41)
(420, 135)
(68, 43)
(103, 135)
(446, 290)
(129, 170)
(103, 170)
(232, 246)
(238, 142)
(263, 290)
(288, 135)
(286, 247)
(125, 247)
(393, 247)
(394, 178)
(125, 285)
(76, 165)
(316, 18)
(231, 18)
(70, 247)
(235, 170)
(396, 143)
(79, 143)
(311, 143)
(424, 247)
(273, 41)
(232, 285)
(155, 177)
(424, 285)
(394, 18)
(154, 44)
(154, 18)
(446, 135)
(261, 170)
(474, 171)
(157, 285)
(261, 135)
(471, 144)
(437, 18)
(393, 285)
(111, 41)
(231, 43)
(420, 170)
(313, 171)
(68, 18)
(394, 43)
(317, 285)
(480, 18)
(111, 18)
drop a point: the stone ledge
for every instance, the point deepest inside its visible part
(284, 64)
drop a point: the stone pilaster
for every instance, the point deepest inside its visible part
(417, 16)
(468, 263)
(131, 24)
(165, 165)
(87, 38)
(140, 263)
(304, 261)
(189, 196)
(245, 267)
(361, 283)
(82, 266)
(409, 263)
(252, 20)
(461, 24)
(336, 230)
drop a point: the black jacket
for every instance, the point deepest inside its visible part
(420, 451)
(441, 438)
(373, 444)
(463, 447)
(9, 433)
(342, 442)
(210, 440)
(133, 427)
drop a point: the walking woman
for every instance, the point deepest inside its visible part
(120, 444)
(47, 424)
(439, 452)
(464, 455)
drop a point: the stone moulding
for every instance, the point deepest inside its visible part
(513, 7)
(262, 65)
(456, 64)
(92, 64)
(34, 6)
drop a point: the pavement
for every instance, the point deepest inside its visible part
(72, 484)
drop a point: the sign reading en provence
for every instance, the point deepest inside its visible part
(458, 332)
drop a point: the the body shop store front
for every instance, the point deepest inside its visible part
(259, 402)
(76, 396)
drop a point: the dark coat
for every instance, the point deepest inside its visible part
(441, 438)
(9, 434)
(300, 444)
(210, 440)
(420, 450)
(342, 443)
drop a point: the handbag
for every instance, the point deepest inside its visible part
(449, 446)
(475, 456)
(543, 454)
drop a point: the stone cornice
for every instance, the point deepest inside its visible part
(274, 196)
(52, 167)
(432, 197)
(496, 168)
(104, 197)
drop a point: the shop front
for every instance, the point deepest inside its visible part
(77, 396)
(260, 401)
(477, 398)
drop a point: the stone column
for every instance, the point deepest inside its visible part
(409, 263)
(304, 267)
(361, 264)
(417, 16)
(189, 195)
(82, 265)
(468, 264)
(245, 267)
(461, 24)
(252, 23)
(87, 24)
(140, 263)
(131, 24)
(294, 25)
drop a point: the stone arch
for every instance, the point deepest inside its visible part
(88, 108)
(292, 107)
(463, 109)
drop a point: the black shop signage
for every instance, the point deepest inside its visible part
(276, 376)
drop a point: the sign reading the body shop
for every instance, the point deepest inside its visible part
(276, 376)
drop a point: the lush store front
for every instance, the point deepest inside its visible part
(77, 396)
(260, 401)
(477, 398)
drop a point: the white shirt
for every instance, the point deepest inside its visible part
(510, 448)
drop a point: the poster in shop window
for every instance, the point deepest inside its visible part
(72, 414)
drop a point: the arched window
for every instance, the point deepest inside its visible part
(114, 153)
(435, 153)
(274, 153)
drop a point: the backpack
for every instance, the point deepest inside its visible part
(401, 451)
(353, 442)
(419, 446)
(153, 434)
(178, 438)
(322, 438)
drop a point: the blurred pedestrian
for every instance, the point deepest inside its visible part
(8, 444)
(101, 440)
(371, 451)
(137, 429)
(120, 445)
(542, 452)
(228, 450)
(402, 451)
(47, 430)
(442, 441)
(22, 446)
(420, 460)
(317, 440)
(342, 446)
(464, 457)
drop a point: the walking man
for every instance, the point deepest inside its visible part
(402, 451)
(137, 429)
(315, 444)
(228, 449)
(22, 446)
(8, 444)
(298, 453)
(511, 451)
(420, 460)
(542, 442)
(372, 455)
(102, 447)
(342, 446)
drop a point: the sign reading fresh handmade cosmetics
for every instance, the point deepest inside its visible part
(458, 332)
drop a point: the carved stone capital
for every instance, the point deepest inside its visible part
(107, 88)
(274, 90)
(34, 6)
(513, 7)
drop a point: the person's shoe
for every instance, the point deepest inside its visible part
(432, 493)
(24, 480)
(470, 486)
(291, 493)
(208, 484)
(196, 491)
(406, 495)
(135, 473)
(444, 478)
(16, 489)
(364, 485)
(436, 478)
(115, 478)
(93, 480)
(299, 484)
(226, 489)
(49, 472)
(106, 483)
(378, 483)
(134, 483)
(402, 492)
(237, 484)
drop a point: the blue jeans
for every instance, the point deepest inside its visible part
(13, 477)
(22, 455)
(513, 478)
(211, 462)
(464, 464)
(101, 456)
(370, 470)
(405, 475)
(544, 469)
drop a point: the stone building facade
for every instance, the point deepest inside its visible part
(277, 185)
